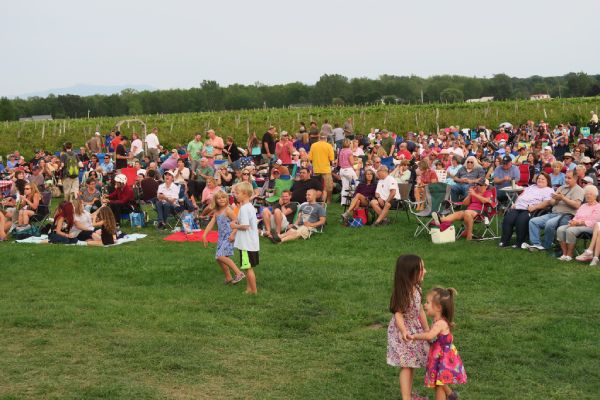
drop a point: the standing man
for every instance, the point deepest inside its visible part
(387, 143)
(338, 136)
(217, 144)
(121, 154)
(349, 128)
(327, 129)
(194, 149)
(268, 143)
(94, 145)
(70, 172)
(153, 143)
(321, 155)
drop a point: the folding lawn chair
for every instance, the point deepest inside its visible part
(488, 218)
(404, 201)
(40, 218)
(281, 185)
(437, 198)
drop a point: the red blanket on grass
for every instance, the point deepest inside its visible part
(194, 237)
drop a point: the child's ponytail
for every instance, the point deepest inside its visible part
(445, 298)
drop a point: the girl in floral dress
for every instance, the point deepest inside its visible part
(444, 365)
(408, 319)
(222, 217)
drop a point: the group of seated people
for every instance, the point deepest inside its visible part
(368, 169)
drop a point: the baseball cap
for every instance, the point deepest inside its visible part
(588, 179)
(586, 160)
(506, 159)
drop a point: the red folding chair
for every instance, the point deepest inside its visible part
(524, 171)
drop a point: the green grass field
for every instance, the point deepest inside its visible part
(153, 320)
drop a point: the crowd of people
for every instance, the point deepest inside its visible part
(556, 167)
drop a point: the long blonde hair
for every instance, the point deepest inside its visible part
(214, 204)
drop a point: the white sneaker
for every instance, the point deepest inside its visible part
(565, 258)
(536, 247)
(587, 255)
(524, 246)
(594, 262)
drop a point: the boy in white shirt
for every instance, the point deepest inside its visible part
(245, 234)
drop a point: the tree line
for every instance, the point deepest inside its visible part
(330, 89)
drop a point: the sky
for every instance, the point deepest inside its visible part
(177, 43)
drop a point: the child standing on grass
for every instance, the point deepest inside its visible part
(408, 319)
(245, 234)
(222, 216)
(444, 365)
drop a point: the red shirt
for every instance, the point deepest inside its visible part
(501, 136)
(405, 153)
(123, 195)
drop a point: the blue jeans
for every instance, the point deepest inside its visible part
(164, 209)
(459, 191)
(550, 223)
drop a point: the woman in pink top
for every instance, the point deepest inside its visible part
(207, 195)
(583, 222)
(347, 173)
(475, 201)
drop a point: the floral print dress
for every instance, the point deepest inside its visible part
(444, 365)
(411, 353)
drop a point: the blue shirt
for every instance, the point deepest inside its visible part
(500, 173)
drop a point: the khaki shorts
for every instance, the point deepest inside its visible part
(284, 223)
(304, 232)
(327, 182)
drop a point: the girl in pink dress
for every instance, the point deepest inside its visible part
(408, 319)
(444, 365)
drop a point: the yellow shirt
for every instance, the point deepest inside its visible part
(321, 155)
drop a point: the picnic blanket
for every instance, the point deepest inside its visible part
(132, 237)
(195, 236)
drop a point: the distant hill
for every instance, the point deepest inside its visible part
(86, 90)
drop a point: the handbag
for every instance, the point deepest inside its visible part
(360, 213)
(137, 219)
(255, 151)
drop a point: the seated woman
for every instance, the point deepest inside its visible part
(181, 173)
(246, 176)
(402, 173)
(12, 202)
(224, 177)
(107, 234)
(425, 176)
(82, 222)
(363, 194)
(28, 204)
(62, 224)
(592, 253)
(90, 196)
(534, 197)
(207, 195)
(475, 200)
(452, 170)
(557, 176)
(583, 222)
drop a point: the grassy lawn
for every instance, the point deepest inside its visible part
(153, 320)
